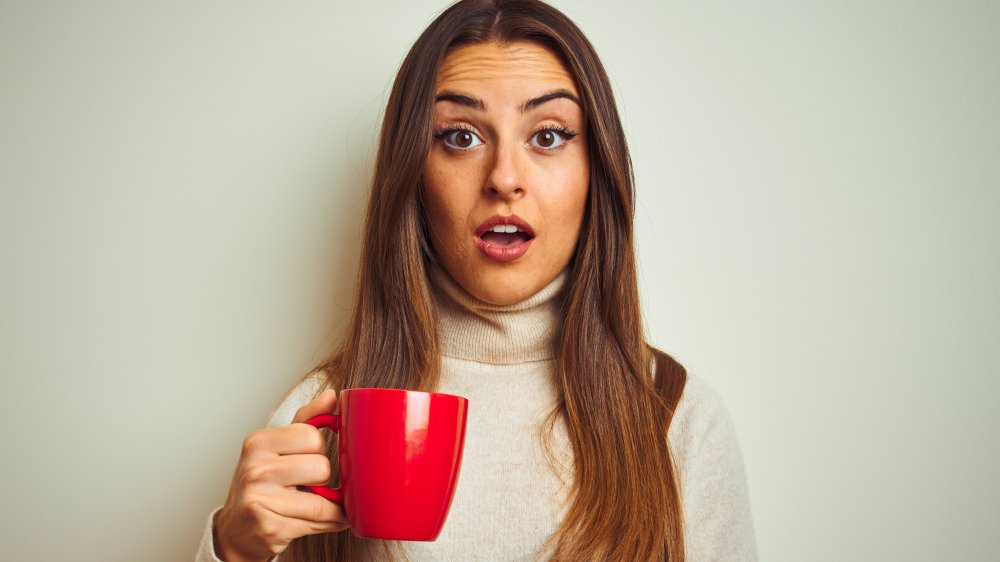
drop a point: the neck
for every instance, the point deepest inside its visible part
(476, 330)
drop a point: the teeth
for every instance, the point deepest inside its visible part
(507, 228)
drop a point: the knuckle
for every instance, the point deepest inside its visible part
(256, 511)
(270, 529)
(252, 443)
(256, 472)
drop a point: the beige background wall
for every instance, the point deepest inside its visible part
(180, 191)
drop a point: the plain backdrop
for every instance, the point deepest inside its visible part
(182, 184)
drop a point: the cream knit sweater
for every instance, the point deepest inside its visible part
(508, 500)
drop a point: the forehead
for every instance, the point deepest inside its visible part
(487, 68)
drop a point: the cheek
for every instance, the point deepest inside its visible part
(445, 201)
(568, 201)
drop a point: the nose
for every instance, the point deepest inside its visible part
(508, 172)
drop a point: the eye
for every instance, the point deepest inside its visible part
(459, 139)
(551, 138)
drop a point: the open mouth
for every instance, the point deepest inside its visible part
(504, 238)
(505, 235)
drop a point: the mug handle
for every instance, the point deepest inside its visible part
(329, 421)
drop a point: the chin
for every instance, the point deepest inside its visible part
(505, 298)
(505, 287)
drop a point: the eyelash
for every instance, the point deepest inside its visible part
(568, 134)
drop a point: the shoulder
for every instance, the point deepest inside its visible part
(713, 481)
(299, 395)
(701, 424)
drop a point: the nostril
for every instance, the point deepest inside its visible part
(500, 189)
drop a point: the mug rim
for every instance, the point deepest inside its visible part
(405, 390)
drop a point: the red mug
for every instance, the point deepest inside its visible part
(400, 453)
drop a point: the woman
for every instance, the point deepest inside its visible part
(498, 264)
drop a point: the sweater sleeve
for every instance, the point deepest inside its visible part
(300, 395)
(206, 550)
(715, 495)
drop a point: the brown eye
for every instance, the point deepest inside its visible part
(551, 139)
(463, 139)
(460, 139)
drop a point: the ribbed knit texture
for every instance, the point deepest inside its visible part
(508, 500)
(476, 330)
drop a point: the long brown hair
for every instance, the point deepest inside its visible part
(624, 500)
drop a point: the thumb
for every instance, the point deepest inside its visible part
(322, 404)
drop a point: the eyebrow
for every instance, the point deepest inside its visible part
(468, 101)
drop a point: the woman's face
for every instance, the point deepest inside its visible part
(505, 181)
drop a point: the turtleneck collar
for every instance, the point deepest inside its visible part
(476, 330)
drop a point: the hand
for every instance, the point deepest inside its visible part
(264, 511)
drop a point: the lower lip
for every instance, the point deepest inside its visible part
(503, 253)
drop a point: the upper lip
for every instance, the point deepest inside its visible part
(515, 220)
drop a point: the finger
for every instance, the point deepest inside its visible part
(297, 438)
(291, 470)
(322, 404)
(277, 528)
(302, 527)
(307, 506)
